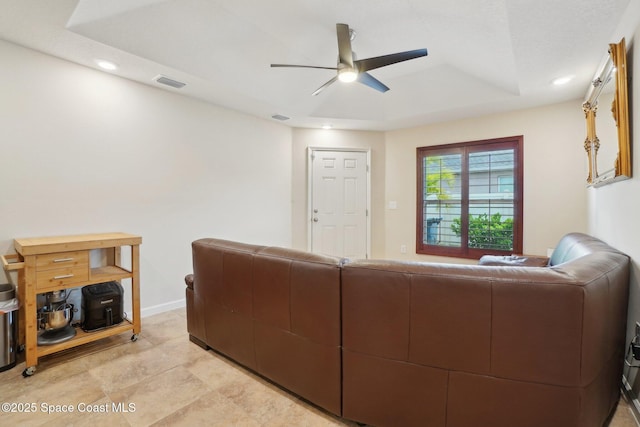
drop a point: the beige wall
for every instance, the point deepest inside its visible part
(614, 210)
(85, 151)
(554, 173)
(305, 138)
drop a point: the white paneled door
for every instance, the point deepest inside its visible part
(339, 202)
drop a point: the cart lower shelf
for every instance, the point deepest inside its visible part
(83, 337)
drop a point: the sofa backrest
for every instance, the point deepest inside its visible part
(274, 310)
(602, 272)
(576, 245)
(299, 292)
(553, 325)
(223, 292)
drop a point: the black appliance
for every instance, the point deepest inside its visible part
(102, 305)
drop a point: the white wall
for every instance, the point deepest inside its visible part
(83, 151)
(614, 210)
(374, 141)
(554, 173)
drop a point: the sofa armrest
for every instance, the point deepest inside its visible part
(514, 260)
(188, 280)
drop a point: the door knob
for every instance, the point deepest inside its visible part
(315, 219)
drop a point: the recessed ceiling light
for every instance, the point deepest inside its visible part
(326, 126)
(106, 65)
(562, 80)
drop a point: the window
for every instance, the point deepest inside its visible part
(470, 198)
(505, 184)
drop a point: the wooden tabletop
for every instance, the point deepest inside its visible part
(42, 245)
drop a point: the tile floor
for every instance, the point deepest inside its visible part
(160, 380)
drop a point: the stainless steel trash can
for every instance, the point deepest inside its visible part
(8, 327)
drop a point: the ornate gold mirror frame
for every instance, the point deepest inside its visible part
(611, 79)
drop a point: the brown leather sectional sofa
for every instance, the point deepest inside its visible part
(391, 343)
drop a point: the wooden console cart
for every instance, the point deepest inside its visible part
(48, 264)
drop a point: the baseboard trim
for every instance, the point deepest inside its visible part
(161, 308)
(634, 404)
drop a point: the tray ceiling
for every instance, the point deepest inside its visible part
(484, 57)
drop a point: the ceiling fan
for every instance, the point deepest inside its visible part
(350, 69)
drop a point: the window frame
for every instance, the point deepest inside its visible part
(465, 149)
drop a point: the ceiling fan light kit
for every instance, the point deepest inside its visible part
(347, 75)
(349, 69)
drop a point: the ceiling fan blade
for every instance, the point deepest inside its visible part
(324, 86)
(302, 66)
(372, 82)
(382, 61)
(344, 45)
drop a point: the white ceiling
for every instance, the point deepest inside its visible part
(484, 55)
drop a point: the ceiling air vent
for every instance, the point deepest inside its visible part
(280, 117)
(169, 82)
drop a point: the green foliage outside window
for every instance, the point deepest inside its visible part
(435, 180)
(487, 232)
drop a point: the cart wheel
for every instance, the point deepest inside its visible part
(134, 337)
(29, 371)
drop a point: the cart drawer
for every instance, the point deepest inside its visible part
(62, 260)
(62, 276)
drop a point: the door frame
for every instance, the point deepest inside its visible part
(310, 152)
